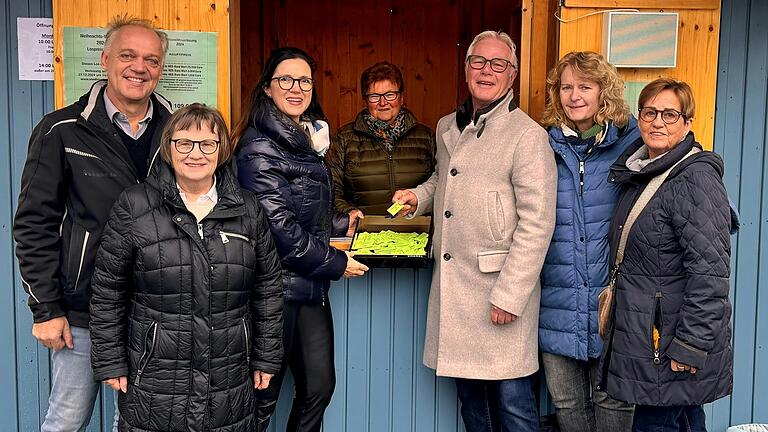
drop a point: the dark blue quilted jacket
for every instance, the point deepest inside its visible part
(675, 277)
(576, 266)
(276, 161)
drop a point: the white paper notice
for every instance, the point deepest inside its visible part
(35, 48)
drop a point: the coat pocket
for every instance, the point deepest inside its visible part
(491, 261)
(150, 341)
(226, 235)
(495, 211)
(657, 324)
(78, 247)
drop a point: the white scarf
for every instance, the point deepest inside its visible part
(320, 136)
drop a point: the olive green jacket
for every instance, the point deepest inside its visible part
(366, 175)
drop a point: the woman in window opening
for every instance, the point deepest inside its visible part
(384, 149)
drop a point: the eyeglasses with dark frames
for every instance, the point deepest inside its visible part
(286, 82)
(376, 97)
(668, 116)
(498, 65)
(184, 145)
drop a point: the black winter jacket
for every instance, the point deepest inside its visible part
(674, 276)
(76, 168)
(366, 174)
(185, 310)
(276, 161)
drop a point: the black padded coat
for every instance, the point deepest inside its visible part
(276, 161)
(187, 311)
(674, 276)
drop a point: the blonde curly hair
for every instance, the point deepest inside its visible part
(590, 66)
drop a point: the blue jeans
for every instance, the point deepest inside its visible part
(580, 408)
(498, 406)
(669, 419)
(73, 390)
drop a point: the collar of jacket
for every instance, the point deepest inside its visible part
(612, 133)
(409, 121)
(621, 174)
(464, 111)
(231, 202)
(95, 111)
(282, 130)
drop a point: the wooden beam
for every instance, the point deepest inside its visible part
(647, 4)
(538, 53)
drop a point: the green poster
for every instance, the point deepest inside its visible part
(189, 74)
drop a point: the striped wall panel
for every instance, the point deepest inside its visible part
(740, 137)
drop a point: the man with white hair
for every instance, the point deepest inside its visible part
(80, 159)
(492, 197)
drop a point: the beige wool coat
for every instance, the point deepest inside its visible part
(492, 196)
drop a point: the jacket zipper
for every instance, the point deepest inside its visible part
(247, 346)
(225, 236)
(80, 153)
(581, 177)
(147, 351)
(656, 343)
(82, 258)
(200, 230)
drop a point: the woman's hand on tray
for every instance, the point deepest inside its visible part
(354, 268)
(354, 215)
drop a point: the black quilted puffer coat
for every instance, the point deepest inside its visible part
(675, 277)
(276, 161)
(186, 311)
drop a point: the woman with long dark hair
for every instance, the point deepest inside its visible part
(282, 139)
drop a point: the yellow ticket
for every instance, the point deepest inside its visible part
(394, 209)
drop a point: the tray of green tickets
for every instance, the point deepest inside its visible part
(381, 241)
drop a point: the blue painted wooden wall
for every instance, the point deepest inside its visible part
(380, 319)
(740, 137)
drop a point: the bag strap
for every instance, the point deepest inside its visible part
(642, 201)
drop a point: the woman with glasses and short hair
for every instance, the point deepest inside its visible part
(383, 150)
(668, 344)
(283, 136)
(186, 310)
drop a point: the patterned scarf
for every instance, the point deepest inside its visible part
(387, 133)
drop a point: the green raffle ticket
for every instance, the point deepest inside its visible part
(394, 208)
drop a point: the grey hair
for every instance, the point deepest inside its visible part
(121, 21)
(498, 35)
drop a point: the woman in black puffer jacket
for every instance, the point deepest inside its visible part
(187, 300)
(279, 156)
(669, 348)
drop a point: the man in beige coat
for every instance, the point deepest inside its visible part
(492, 197)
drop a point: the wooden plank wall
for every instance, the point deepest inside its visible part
(191, 15)
(697, 47)
(741, 137)
(426, 39)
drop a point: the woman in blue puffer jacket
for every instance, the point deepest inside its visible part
(589, 127)
(282, 139)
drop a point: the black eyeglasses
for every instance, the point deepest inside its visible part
(185, 146)
(668, 116)
(376, 97)
(497, 64)
(286, 82)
